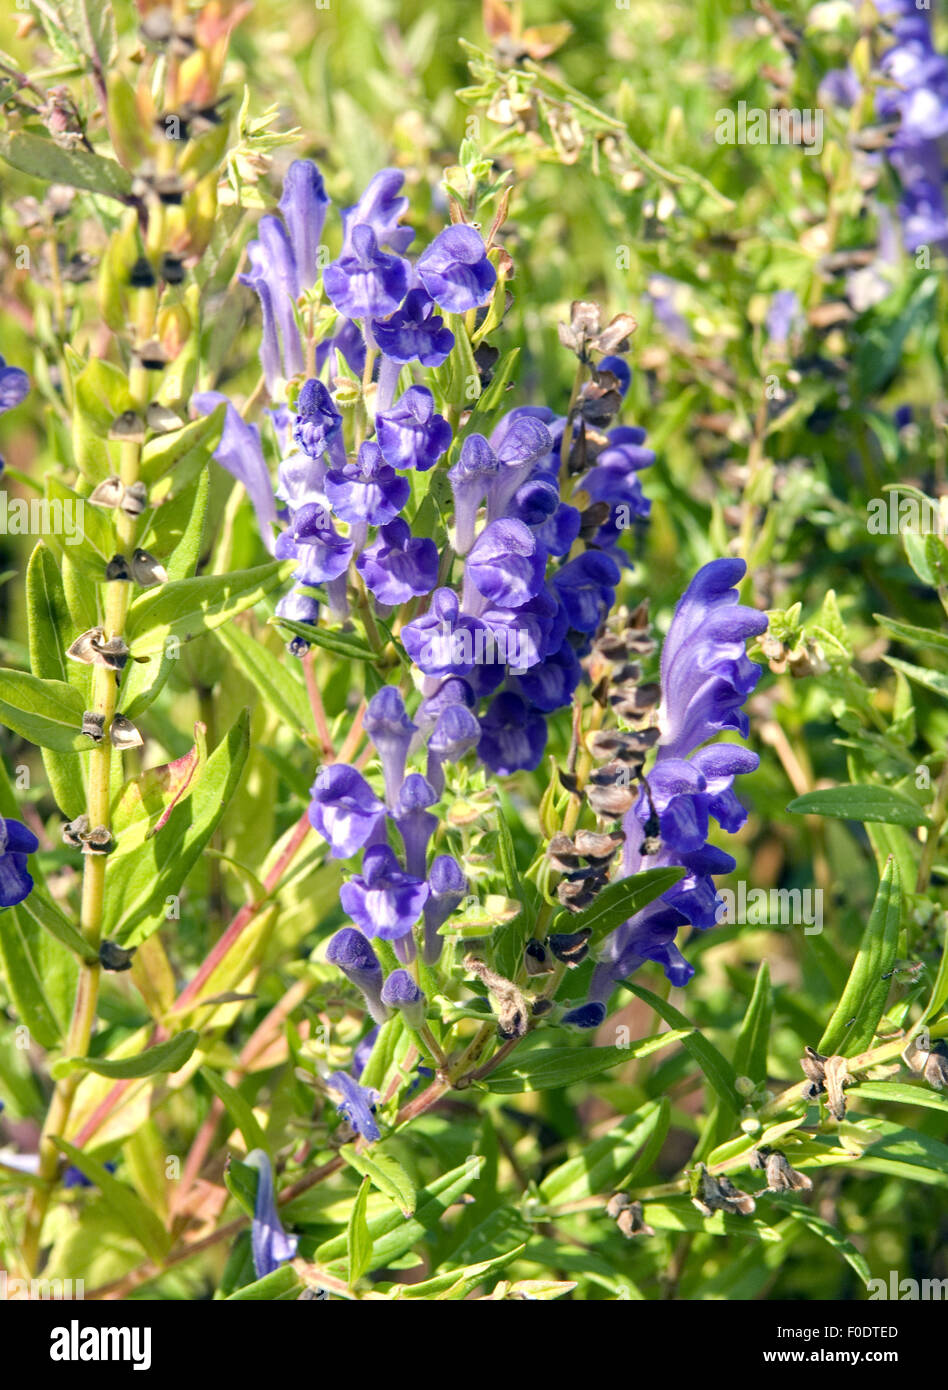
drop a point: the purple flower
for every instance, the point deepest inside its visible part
(270, 1243)
(411, 434)
(620, 369)
(390, 729)
(367, 491)
(706, 674)
(383, 900)
(14, 386)
(551, 684)
(303, 205)
(382, 208)
(587, 588)
(301, 480)
(513, 736)
(783, 317)
(414, 332)
(363, 1051)
(453, 691)
(505, 565)
(398, 566)
(366, 283)
(455, 733)
(470, 477)
(17, 841)
(447, 886)
(520, 442)
(273, 276)
(416, 824)
(352, 953)
(401, 992)
(455, 270)
(299, 607)
(318, 422)
(443, 641)
(585, 1016)
(241, 453)
(344, 809)
(323, 554)
(356, 1104)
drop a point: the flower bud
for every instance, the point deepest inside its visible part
(401, 992)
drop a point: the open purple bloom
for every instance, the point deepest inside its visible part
(304, 204)
(298, 607)
(356, 1104)
(318, 423)
(366, 283)
(17, 841)
(455, 270)
(351, 951)
(520, 442)
(14, 386)
(470, 477)
(401, 992)
(301, 481)
(505, 565)
(344, 809)
(411, 434)
(551, 683)
(241, 453)
(273, 276)
(388, 726)
(455, 733)
(513, 736)
(587, 588)
(383, 900)
(321, 552)
(382, 209)
(443, 641)
(270, 1243)
(416, 824)
(367, 491)
(398, 566)
(448, 887)
(414, 332)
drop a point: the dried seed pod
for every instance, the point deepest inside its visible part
(162, 420)
(719, 1194)
(108, 493)
(616, 1203)
(812, 1063)
(562, 853)
(74, 831)
(631, 1222)
(571, 948)
(93, 724)
(123, 733)
(115, 957)
(97, 841)
(610, 802)
(146, 570)
(536, 959)
(113, 653)
(128, 426)
(512, 1011)
(780, 1176)
(599, 849)
(575, 895)
(835, 1076)
(117, 569)
(541, 1006)
(87, 646)
(172, 269)
(142, 275)
(936, 1067)
(152, 356)
(134, 499)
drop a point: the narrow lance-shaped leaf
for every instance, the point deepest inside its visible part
(856, 1017)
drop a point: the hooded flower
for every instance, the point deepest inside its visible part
(416, 824)
(344, 809)
(388, 726)
(443, 641)
(17, 841)
(398, 566)
(411, 434)
(321, 552)
(447, 887)
(381, 208)
(14, 386)
(414, 332)
(367, 491)
(352, 953)
(366, 283)
(304, 205)
(455, 270)
(270, 1243)
(505, 565)
(401, 992)
(356, 1104)
(455, 733)
(586, 586)
(241, 453)
(318, 423)
(513, 736)
(383, 900)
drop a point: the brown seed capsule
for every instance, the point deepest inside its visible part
(117, 569)
(74, 831)
(123, 733)
(146, 570)
(616, 1203)
(162, 420)
(936, 1067)
(113, 653)
(128, 426)
(835, 1076)
(562, 853)
(536, 959)
(141, 276)
(780, 1176)
(115, 957)
(631, 1222)
(598, 849)
(97, 841)
(108, 493)
(86, 646)
(134, 499)
(575, 895)
(94, 725)
(153, 356)
(542, 1006)
(720, 1194)
(610, 802)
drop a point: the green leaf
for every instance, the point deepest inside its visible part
(187, 449)
(139, 1220)
(40, 973)
(456, 1284)
(677, 1214)
(50, 633)
(237, 1108)
(384, 1052)
(862, 803)
(856, 1016)
(32, 154)
(185, 608)
(46, 712)
(620, 900)
(43, 911)
(279, 1287)
(276, 681)
(899, 1093)
(145, 870)
(939, 989)
(716, 1067)
(612, 1162)
(750, 1055)
(164, 1058)
(358, 1239)
(508, 857)
(385, 1173)
(913, 636)
(339, 643)
(921, 675)
(547, 1068)
(799, 1211)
